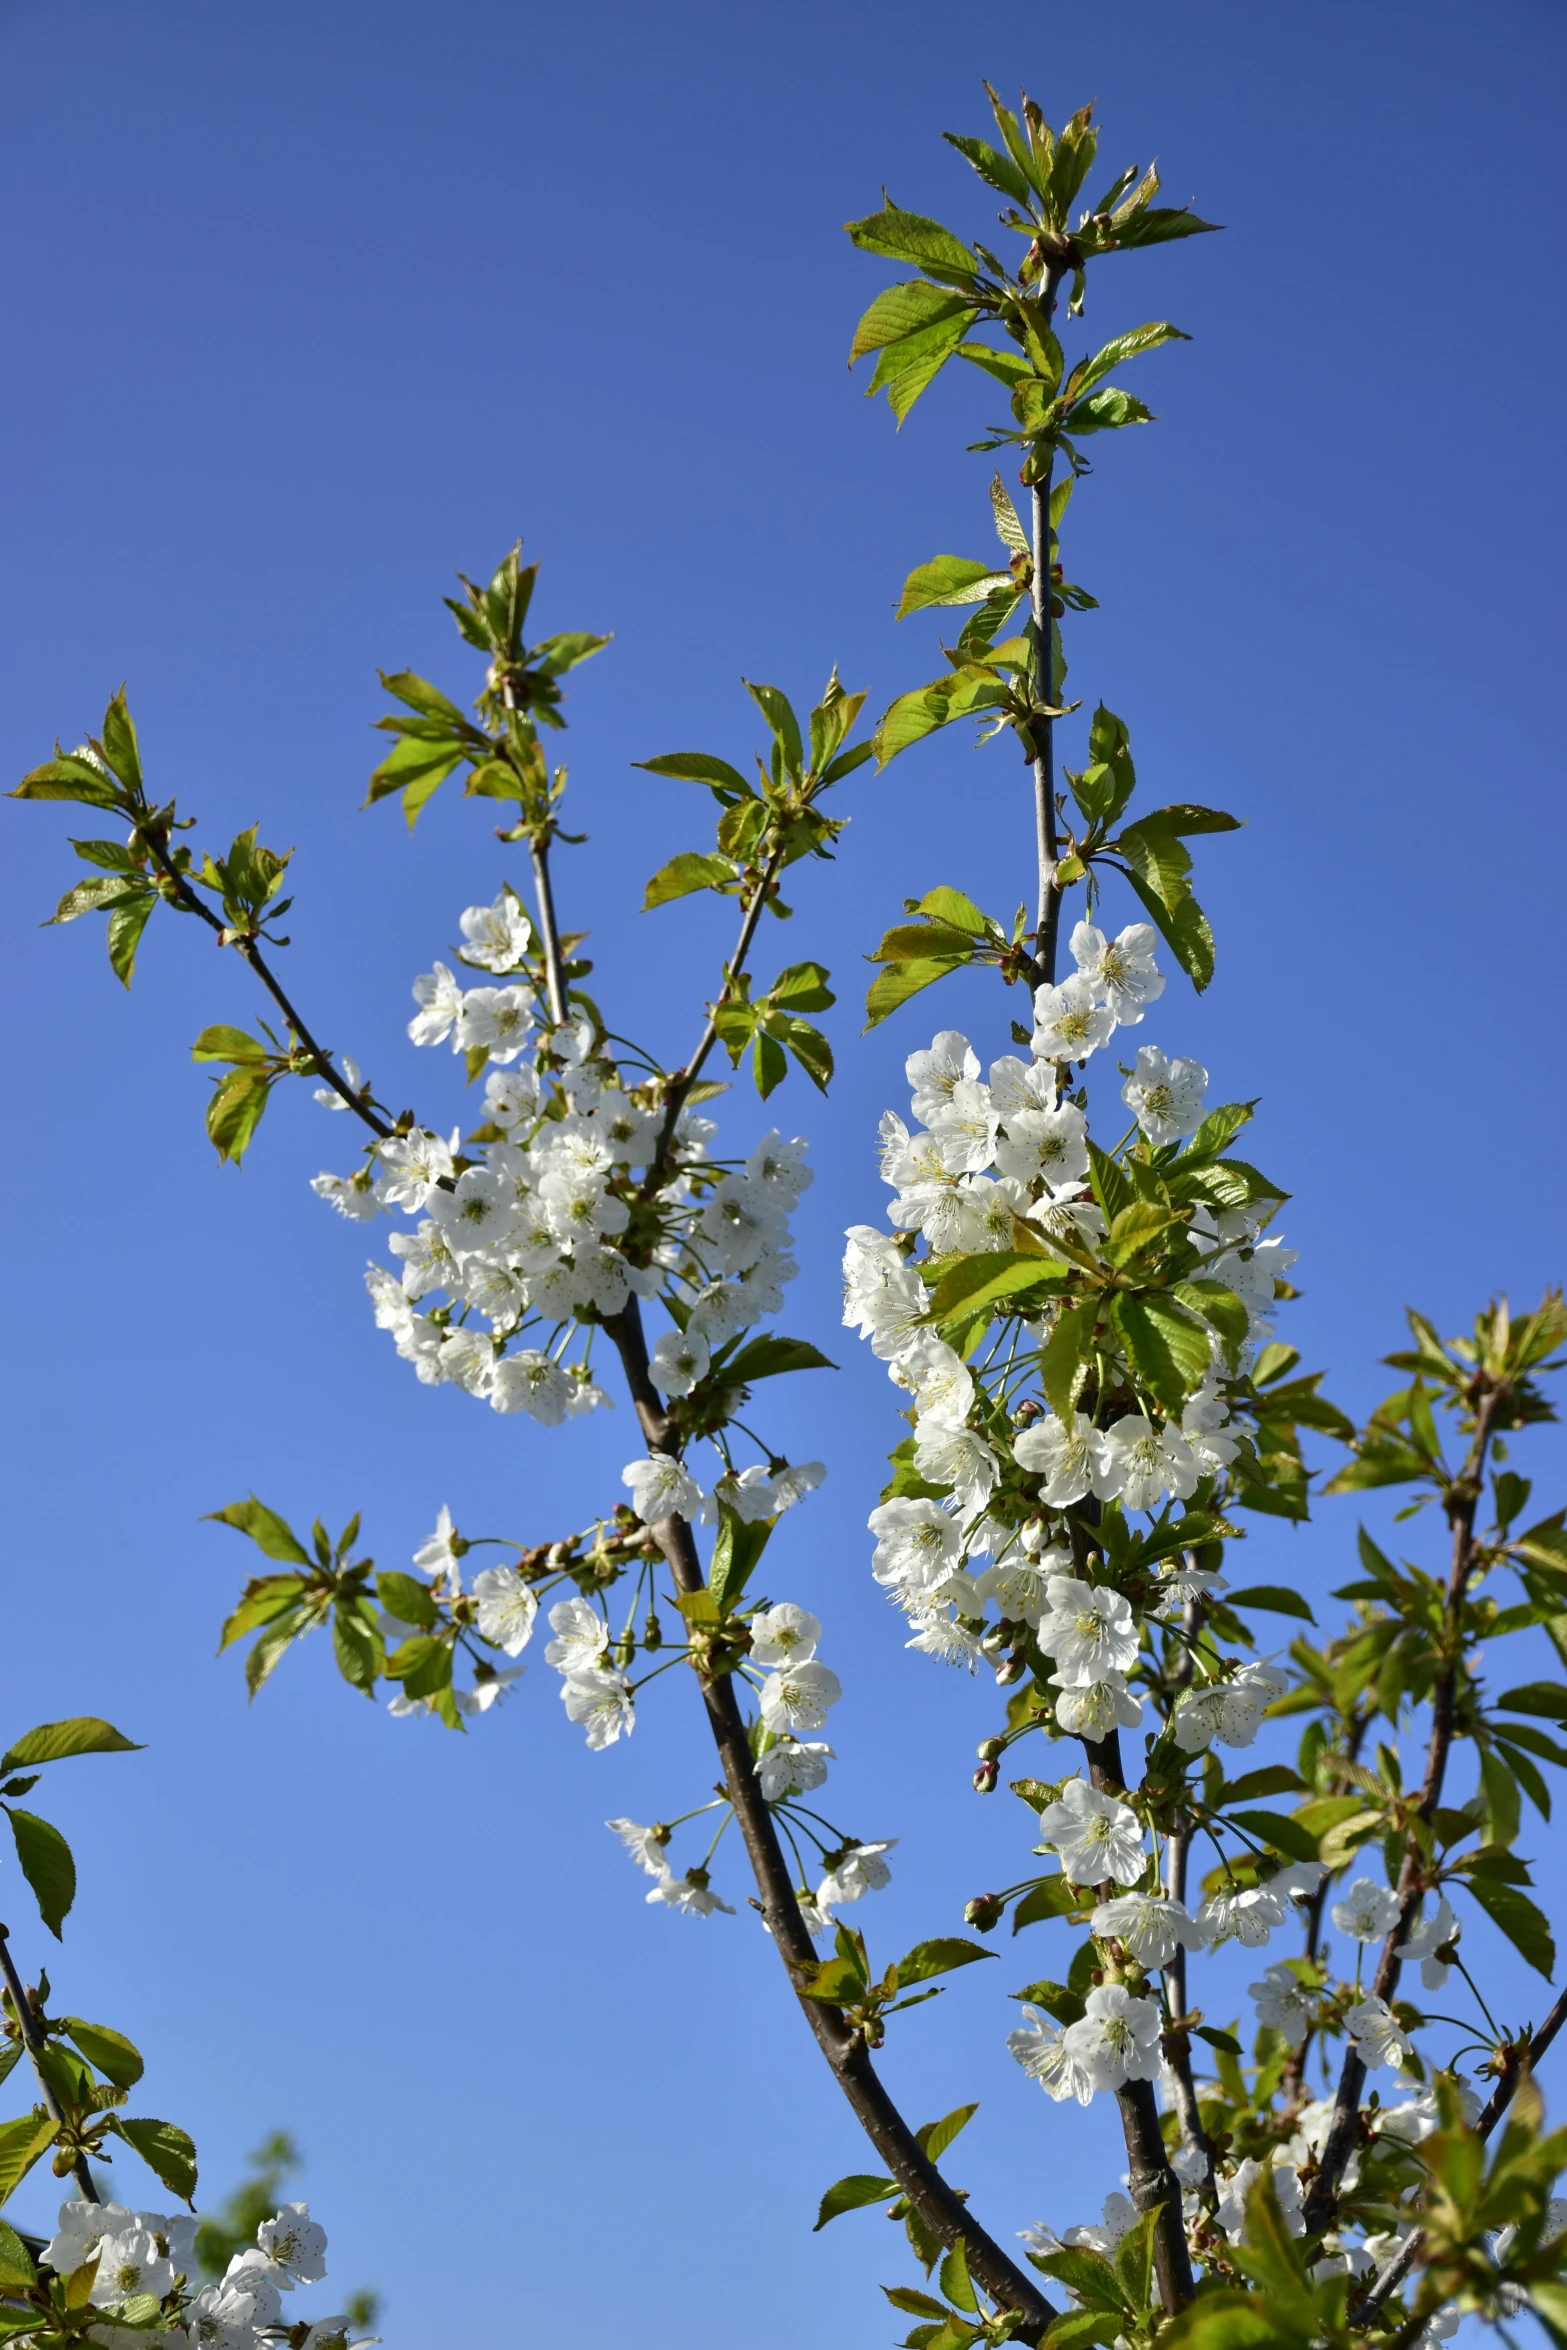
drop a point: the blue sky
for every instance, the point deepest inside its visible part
(311, 306)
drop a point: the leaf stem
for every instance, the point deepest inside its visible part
(682, 1080)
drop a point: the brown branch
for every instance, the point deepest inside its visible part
(554, 967)
(935, 2202)
(1533, 2044)
(1150, 2178)
(1463, 1501)
(1042, 730)
(35, 2043)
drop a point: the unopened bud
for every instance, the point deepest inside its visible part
(985, 1779)
(991, 1749)
(984, 1911)
(1010, 1669)
(652, 1633)
(1033, 1536)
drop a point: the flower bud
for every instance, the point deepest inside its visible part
(991, 1749)
(984, 1911)
(1011, 1668)
(985, 1779)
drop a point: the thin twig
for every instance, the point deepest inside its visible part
(1343, 2128)
(1392, 2276)
(258, 963)
(1042, 730)
(684, 1078)
(35, 2044)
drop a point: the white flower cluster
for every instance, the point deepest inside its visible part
(528, 1235)
(145, 2257)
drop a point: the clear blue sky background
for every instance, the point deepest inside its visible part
(310, 305)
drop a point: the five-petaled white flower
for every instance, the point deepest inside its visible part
(507, 1605)
(1117, 2038)
(661, 1488)
(1376, 2034)
(1283, 2004)
(1121, 971)
(798, 1696)
(1435, 1934)
(1165, 1096)
(1367, 1912)
(784, 1635)
(1069, 1021)
(1041, 2048)
(1096, 1836)
(1152, 1926)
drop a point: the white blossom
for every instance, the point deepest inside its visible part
(1041, 2048)
(1095, 1836)
(1117, 2038)
(1230, 1711)
(793, 1766)
(1141, 1464)
(1049, 1146)
(784, 1635)
(861, 1869)
(1368, 1911)
(296, 2242)
(1165, 1096)
(1375, 2033)
(529, 1381)
(661, 1488)
(691, 1895)
(507, 1606)
(1152, 1925)
(918, 1544)
(1069, 1023)
(1068, 1458)
(439, 999)
(646, 1846)
(933, 1075)
(496, 937)
(798, 1696)
(581, 1637)
(1121, 971)
(1436, 1933)
(1092, 1709)
(1283, 2004)
(678, 1361)
(600, 1702)
(960, 1457)
(1248, 1914)
(1089, 1631)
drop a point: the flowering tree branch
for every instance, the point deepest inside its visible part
(35, 2044)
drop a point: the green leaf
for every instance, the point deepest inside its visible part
(357, 1644)
(93, 897)
(1284, 1834)
(809, 1047)
(903, 310)
(802, 988)
(936, 2137)
(406, 1598)
(166, 2150)
(766, 1357)
(909, 236)
(852, 2193)
(735, 1554)
(223, 1043)
(938, 1957)
(1219, 1128)
(899, 981)
(685, 873)
(1184, 929)
(1276, 1598)
(46, 1864)
(1064, 1352)
(1524, 1925)
(416, 769)
(17, 2272)
(912, 2301)
(266, 1529)
(1081, 2326)
(955, 2282)
(974, 1284)
(1087, 2273)
(68, 778)
(423, 1665)
(950, 579)
(114, 2056)
(263, 1602)
(120, 744)
(778, 711)
(926, 708)
(1052, 1897)
(1088, 372)
(1168, 1349)
(1380, 1460)
(126, 924)
(697, 767)
(1533, 1697)
(21, 2143)
(236, 1110)
(54, 1741)
(956, 909)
